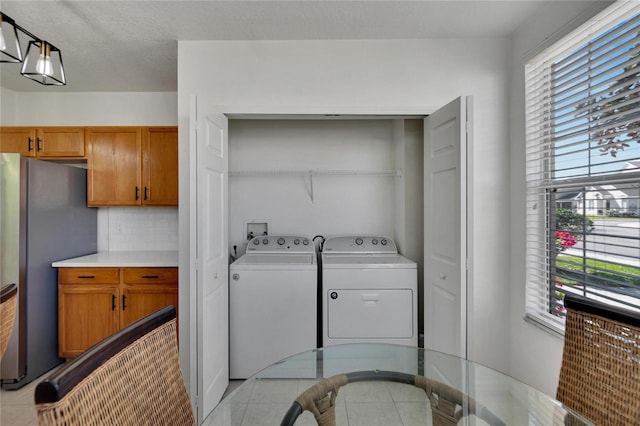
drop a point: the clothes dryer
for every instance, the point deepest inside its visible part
(273, 305)
(369, 292)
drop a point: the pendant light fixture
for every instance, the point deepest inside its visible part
(42, 62)
(9, 44)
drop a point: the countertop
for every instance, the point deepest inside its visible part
(121, 259)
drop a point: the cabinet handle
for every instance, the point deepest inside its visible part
(146, 193)
(86, 276)
(39, 144)
(124, 302)
(137, 193)
(151, 276)
(30, 144)
(113, 302)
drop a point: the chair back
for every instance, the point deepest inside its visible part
(8, 301)
(600, 372)
(448, 405)
(131, 378)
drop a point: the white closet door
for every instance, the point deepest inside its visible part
(211, 263)
(445, 225)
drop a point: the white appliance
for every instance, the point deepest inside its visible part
(369, 292)
(273, 306)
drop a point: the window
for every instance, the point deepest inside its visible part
(583, 167)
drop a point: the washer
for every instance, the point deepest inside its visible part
(369, 292)
(273, 305)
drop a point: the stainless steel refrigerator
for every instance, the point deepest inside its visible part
(43, 218)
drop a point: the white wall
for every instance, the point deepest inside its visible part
(341, 204)
(118, 228)
(374, 76)
(95, 109)
(7, 106)
(535, 354)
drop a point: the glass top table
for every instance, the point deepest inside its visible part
(265, 398)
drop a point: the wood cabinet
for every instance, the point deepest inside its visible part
(93, 303)
(132, 166)
(145, 290)
(87, 307)
(44, 142)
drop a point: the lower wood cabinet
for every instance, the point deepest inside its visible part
(93, 303)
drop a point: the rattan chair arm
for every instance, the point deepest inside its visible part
(7, 292)
(65, 379)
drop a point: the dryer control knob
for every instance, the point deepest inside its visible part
(280, 241)
(374, 241)
(256, 242)
(235, 277)
(383, 242)
(265, 241)
(297, 241)
(359, 241)
(305, 242)
(334, 295)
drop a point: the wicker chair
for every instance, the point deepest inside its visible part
(448, 405)
(600, 372)
(8, 299)
(131, 378)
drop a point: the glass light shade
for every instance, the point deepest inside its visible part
(9, 44)
(43, 63)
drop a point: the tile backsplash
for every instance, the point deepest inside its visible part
(137, 229)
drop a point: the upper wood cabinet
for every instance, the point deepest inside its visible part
(160, 166)
(132, 166)
(113, 166)
(44, 142)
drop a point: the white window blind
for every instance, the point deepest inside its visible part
(583, 167)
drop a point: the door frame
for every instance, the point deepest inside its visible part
(187, 204)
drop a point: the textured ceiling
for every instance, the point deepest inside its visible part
(132, 45)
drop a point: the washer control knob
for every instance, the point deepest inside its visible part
(359, 241)
(383, 242)
(334, 295)
(296, 241)
(235, 277)
(374, 241)
(265, 241)
(305, 242)
(256, 242)
(280, 241)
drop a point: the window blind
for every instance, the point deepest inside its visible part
(583, 166)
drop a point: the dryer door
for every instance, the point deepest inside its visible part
(370, 314)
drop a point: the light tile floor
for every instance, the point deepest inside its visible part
(358, 404)
(17, 407)
(259, 403)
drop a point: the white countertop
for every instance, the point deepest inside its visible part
(121, 259)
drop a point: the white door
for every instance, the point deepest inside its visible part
(445, 229)
(212, 273)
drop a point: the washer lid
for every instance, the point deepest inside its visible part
(276, 259)
(343, 261)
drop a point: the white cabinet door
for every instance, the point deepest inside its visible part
(212, 256)
(445, 226)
